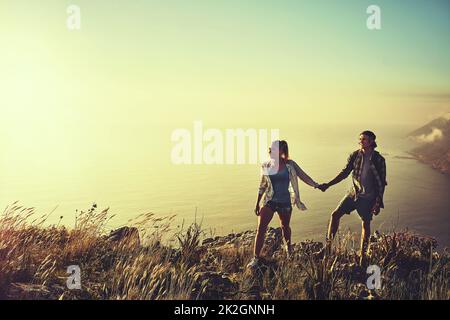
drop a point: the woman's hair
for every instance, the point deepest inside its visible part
(371, 135)
(282, 147)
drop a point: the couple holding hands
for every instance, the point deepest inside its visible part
(368, 168)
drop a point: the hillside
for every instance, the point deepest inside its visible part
(434, 143)
(133, 263)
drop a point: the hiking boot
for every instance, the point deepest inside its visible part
(288, 250)
(319, 254)
(253, 263)
(363, 260)
(325, 251)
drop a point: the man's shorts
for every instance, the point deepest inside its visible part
(279, 207)
(362, 205)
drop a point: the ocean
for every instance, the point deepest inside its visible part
(132, 176)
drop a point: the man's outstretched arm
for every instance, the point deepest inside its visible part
(341, 176)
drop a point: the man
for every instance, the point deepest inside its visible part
(368, 168)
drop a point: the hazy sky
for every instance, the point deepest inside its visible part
(80, 111)
(258, 63)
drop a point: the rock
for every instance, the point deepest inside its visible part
(308, 247)
(207, 241)
(26, 291)
(214, 285)
(273, 241)
(130, 234)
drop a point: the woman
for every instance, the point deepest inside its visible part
(277, 175)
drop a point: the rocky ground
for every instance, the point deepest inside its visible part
(127, 264)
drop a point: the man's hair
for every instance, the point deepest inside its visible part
(371, 135)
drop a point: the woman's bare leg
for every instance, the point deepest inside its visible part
(285, 219)
(264, 218)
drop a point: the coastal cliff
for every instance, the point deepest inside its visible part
(433, 143)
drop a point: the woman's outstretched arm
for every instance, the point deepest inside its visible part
(303, 176)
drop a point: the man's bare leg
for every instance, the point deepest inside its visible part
(334, 225)
(365, 235)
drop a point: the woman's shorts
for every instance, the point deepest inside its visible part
(279, 207)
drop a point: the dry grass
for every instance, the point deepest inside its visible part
(34, 259)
